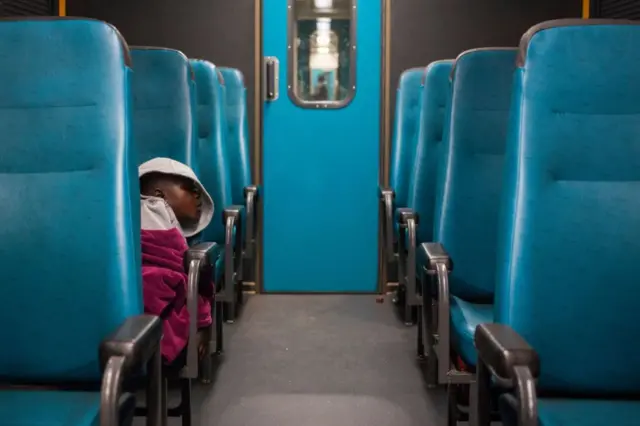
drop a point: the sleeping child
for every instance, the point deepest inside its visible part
(174, 206)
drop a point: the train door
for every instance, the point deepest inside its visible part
(321, 145)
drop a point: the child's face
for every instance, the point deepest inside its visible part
(185, 201)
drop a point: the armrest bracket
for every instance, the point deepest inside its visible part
(232, 259)
(251, 195)
(408, 221)
(135, 343)
(387, 197)
(437, 262)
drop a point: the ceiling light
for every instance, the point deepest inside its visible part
(323, 4)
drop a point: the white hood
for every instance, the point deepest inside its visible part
(172, 167)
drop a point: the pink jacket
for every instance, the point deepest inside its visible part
(165, 288)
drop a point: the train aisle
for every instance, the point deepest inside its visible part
(318, 360)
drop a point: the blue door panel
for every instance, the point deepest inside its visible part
(320, 173)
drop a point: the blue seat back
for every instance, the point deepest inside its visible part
(405, 132)
(164, 99)
(436, 93)
(238, 132)
(570, 248)
(212, 151)
(470, 181)
(69, 191)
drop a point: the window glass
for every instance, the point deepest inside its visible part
(322, 54)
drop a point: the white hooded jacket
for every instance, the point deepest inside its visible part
(156, 213)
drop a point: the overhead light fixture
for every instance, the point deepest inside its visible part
(323, 25)
(323, 4)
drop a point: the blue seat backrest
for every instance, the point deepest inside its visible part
(238, 132)
(164, 98)
(470, 180)
(436, 92)
(405, 132)
(570, 247)
(212, 150)
(67, 243)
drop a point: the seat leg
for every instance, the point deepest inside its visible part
(420, 342)
(206, 364)
(231, 310)
(185, 391)
(219, 327)
(452, 405)
(164, 407)
(432, 359)
(408, 310)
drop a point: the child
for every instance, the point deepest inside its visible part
(174, 206)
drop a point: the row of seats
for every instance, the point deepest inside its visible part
(194, 112)
(517, 236)
(79, 113)
(418, 134)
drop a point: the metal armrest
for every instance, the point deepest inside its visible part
(251, 195)
(408, 220)
(136, 340)
(200, 258)
(436, 262)
(207, 254)
(233, 264)
(387, 195)
(133, 345)
(435, 253)
(505, 355)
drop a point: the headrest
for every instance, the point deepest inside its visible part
(482, 79)
(560, 23)
(582, 66)
(75, 25)
(234, 84)
(206, 77)
(435, 69)
(233, 77)
(409, 85)
(83, 59)
(410, 78)
(474, 52)
(209, 94)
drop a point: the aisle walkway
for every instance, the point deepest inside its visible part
(316, 361)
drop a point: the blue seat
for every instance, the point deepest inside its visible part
(68, 244)
(164, 99)
(405, 133)
(466, 207)
(166, 125)
(243, 190)
(567, 295)
(417, 219)
(428, 152)
(215, 172)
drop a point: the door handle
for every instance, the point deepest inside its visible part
(271, 83)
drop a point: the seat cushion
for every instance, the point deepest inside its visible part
(465, 317)
(52, 408)
(587, 412)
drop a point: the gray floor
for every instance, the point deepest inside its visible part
(318, 360)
